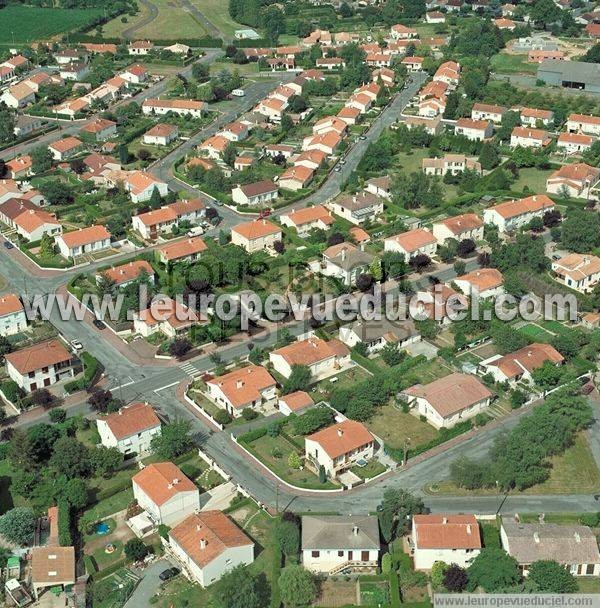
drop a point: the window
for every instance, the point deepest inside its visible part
(340, 554)
(589, 569)
(315, 553)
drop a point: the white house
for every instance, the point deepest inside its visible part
(486, 111)
(32, 224)
(152, 224)
(258, 235)
(18, 96)
(377, 334)
(358, 208)
(258, 193)
(40, 365)
(346, 262)
(165, 315)
(576, 180)
(250, 386)
(125, 274)
(332, 543)
(529, 138)
(208, 545)
(65, 148)
(338, 447)
(578, 271)
(182, 107)
(135, 74)
(130, 430)
(414, 242)
(12, 315)
(452, 539)
(307, 219)
(450, 163)
(475, 130)
(580, 123)
(448, 400)
(188, 250)
(485, 282)
(574, 143)
(573, 547)
(459, 227)
(165, 493)
(295, 403)
(532, 117)
(511, 215)
(140, 185)
(161, 135)
(322, 358)
(84, 240)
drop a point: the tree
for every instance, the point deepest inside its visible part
(551, 577)
(297, 104)
(105, 461)
(102, 401)
(155, 200)
(299, 379)
(364, 281)
(240, 588)
(7, 124)
(18, 525)
(297, 587)
(229, 154)
(536, 224)
(287, 535)
(544, 12)
(57, 415)
(552, 218)
(455, 579)
(70, 457)
(287, 124)
(42, 397)
(420, 261)
(493, 569)
(465, 247)
(312, 420)
(547, 376)
(41, 159)
(489, 157)
(416, 189)
(581, 231)
(438, 573)
(397, 508)
(135, 550)
(174, 440)
(57, 192)
(391, 354)
(179, 347)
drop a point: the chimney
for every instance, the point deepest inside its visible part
(577, 537)
(444, 520)
(239, 384)
(344, 254)
(340, 433)
(536, 537)
(202, 543)
(355, 530)
(468, 528)
(175, 481)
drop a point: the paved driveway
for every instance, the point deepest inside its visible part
(149, 585)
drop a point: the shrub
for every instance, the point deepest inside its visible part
(249, 414)
(222, 417)
(11, 390)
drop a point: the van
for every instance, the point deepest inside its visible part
(238, 92)
(196, 231)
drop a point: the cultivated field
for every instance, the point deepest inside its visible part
(19, 24)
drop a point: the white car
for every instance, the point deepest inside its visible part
(76, 345)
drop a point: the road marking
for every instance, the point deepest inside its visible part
(162, 388)
(124, 385)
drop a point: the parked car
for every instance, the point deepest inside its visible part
(8, 245)
(99, 324)
(165, 575)
(264, 213)
(76, 345)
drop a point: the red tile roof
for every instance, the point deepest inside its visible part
(446, 532)
(38, 356)
(131, 419)
(85, 236)
(339, 439)
(243, 386)
(162, 481)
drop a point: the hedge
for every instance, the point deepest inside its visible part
(65, 538)
(11, 390)
(98, 576)
(91, 367)
(252, 435)
(365, 362)
(395, 598)
(205, 42)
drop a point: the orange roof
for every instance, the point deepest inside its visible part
(181, 249)
(299, 400)
(413, 239)
(310, 215)
(339, 439)
(299, 173)
(469, 123)
(10, 304)
(483, 279)
(175, 104)
(162, 481)
(173, 312)
(273, 104)
(157, 216)
(446, 532)
(243, 386)
(161, 130)
(256, 229)
(37, 356)
(216, 142)
(526, 133)
(488, 107)
(131, 419)
(461, 223)
(66, 144)
(584, 118)
(201, 162)
(85, 236)
(504, 23)
(530, 204)
(451, 394)
(21, 163)
(128, 272)
(359, 235)
(21, 91)
(577, 266)
(330, 139)
(315, 156)
(31, 219)
(52, 565)
(206, 535)
(576, 172)
(575, 138)
(537, 113)
(97, 125)
(527, 358)
(138, 181)
(306, 352)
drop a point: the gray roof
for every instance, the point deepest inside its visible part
(340, 532)
(528, 543)
(572, 71)
(347, 257)
(374, 330)
(356, 202)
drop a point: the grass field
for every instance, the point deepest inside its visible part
(393, 426)
(535, 332)
(217, 12)
(20, 23)
(504, 63)
(534, 179)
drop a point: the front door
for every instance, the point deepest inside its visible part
(364, 556)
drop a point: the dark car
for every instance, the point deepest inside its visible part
(99, 324)
(8, 245)
(165, 575)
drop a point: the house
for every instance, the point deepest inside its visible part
(591, 320)
(432, 126)
(360, 101)
(165, 493)
(338, 447)
(165, 315)
(100, 129)
(573, 547)
(380, 186)
(518, 365)
(432, 107)
(235, 131)
(439, 303)
(436, 88)
(18, 96)
(358, 208)
(66, 148)
(6, 73)
(312, 159)
(40, 365)
(24, 125)
(413, 64)
(335, 543)
(243, 162)
(9, 189)
(486, 111)
(377, 334)
(181, 107)
(505, 24)
(316, 217)
(296, 177)
(141, 185)
(32, 224)
(71, 107)
(161, 134)
(188, 250)
(330, 123)
(574, 143)
(578, 271)
(295, 403)
(378, 60)
(458, 227)
(484, 282)
(140, 47)
(401, 32)
(581, 123)
(576, 180)
(160, 221)
(12, 315)
(450, 163)
(74, 71)
(452, 539)
(258, 193)
(448, 400)
(84, 240)
(532, 117)
(208, 545)
(325, 142)
(53, 567)
(330, 63)
(412, 243)
(121, 276)
(384, 76)
(435, 17)
(135, 74)
(250, 386)
(320, 357)
(130, 430)
(275, 150)
(19, 167)
(511, 215)
(258, 235)
(271, 108)
(214, 146)
(475, 130)
(529, 138)
(540, 55)
(346, 262)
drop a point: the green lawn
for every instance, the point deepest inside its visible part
(588, 584)
(323, 389)
(218, 14)
(372, 469)
(535, 332)
(393, 426)
(108, 506)
(104, 559)
(534, 179)
(512, 64)
(21, 24)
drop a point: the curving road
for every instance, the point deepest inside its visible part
(129, 33)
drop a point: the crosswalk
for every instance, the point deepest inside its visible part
(190, 370)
